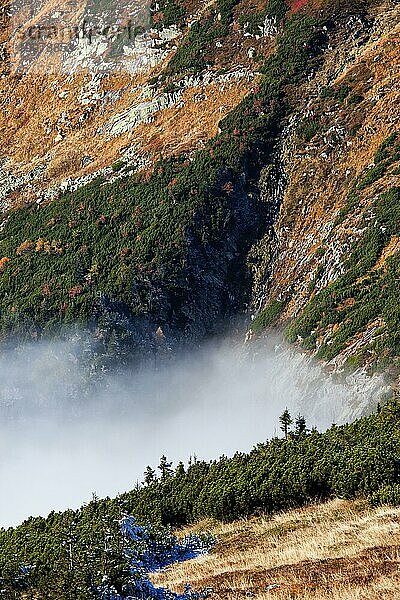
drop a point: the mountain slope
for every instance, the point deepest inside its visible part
(341, 550)
(341, 159)
(160, 247)
(72, 554)
(213, 165)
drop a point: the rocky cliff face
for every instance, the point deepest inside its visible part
(169, 165)
(336, 236)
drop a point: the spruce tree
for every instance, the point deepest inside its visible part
(180, 469)
(300, 425)
(149, 475)
(165, 468)
(285, 421)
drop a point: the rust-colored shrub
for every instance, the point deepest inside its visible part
(25, 247)
(76, 290)
(3, 263)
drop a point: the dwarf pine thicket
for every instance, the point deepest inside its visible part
(72, 553)
(109, 562)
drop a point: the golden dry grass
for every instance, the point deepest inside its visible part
(32, 103)
(339, 550)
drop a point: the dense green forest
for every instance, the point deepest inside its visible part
(66, 552)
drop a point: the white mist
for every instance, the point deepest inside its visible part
(60, 441)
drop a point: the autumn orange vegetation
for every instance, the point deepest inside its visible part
(3, 263)
(296, 5)
(25, 247)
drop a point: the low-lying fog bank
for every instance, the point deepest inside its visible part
(62, 438)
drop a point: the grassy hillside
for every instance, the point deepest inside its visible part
(341, 550)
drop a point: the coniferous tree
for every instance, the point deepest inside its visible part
(180, 469)
(149, 476)
(285, 420)
(165, 468)
(300, 425)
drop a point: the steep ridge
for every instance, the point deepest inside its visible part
(341, 162)
(209, 166)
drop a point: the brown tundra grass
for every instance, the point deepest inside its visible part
(338, 551)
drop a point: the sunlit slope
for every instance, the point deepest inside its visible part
(69, 113)
(239, 156)
(335, 277)
(340, 550)
(136, 249)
